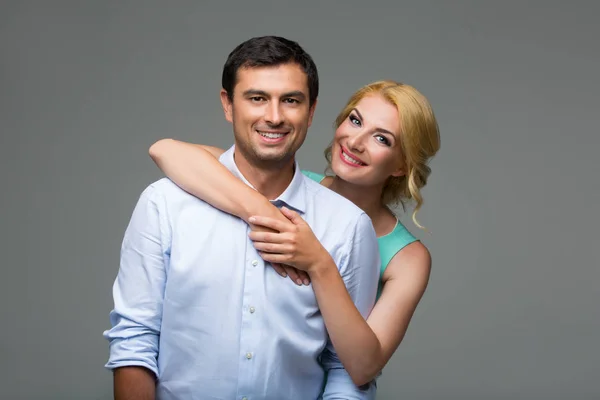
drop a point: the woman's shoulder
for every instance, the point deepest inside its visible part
(415, 256)
(392, 244)
(404, 248)
(399, 237)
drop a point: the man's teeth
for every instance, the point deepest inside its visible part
(270, 135)
(350, 159)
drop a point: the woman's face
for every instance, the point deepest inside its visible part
(366, 147)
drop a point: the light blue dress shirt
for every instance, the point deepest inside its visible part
(195, 303)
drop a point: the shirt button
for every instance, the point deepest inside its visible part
(248, 356)
(255, 262)
(252, 309)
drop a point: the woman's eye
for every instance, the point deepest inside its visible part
(354, 120)
(382, 139)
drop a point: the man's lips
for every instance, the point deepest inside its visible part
(272, 136)
(272, 133)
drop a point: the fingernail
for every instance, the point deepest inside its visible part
(299, 282)
(252, 219)
(306, 282)
(284, 274)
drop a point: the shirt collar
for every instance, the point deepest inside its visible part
(294, 196)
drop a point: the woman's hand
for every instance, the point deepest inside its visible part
(293, 244)
(297, 276)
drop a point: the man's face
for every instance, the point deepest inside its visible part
(270, 113)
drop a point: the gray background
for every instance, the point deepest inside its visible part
(512, 308)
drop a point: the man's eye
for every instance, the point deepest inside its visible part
(292, 101)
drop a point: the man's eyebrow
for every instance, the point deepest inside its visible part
(255, 92)
(296, 93)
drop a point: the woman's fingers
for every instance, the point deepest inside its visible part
(270, 237)
(293, 274)
(297, 276)
(270, 223)
(272, 248)
(279, 269)
(258, 228)
(303, 275)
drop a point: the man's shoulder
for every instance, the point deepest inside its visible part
(165, 191)
(335, 205)
(164, 187)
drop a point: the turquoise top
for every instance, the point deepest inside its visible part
(389, 245)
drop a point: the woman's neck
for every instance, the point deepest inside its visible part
(368, 198)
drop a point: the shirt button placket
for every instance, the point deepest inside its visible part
(248, 327)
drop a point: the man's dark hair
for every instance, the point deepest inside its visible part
(266, 51)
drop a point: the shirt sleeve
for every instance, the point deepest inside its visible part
(138, 290)
(360, 272)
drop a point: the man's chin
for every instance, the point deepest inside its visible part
(273, 157)
(270, 155)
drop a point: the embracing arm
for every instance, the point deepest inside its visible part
(356, 283)
(196, 169)
(346, 294)
(365, 347)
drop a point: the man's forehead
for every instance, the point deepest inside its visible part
(278, 78)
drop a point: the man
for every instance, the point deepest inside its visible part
(198, 314)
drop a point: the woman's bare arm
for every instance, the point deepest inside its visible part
(196, 169)
(363, 347)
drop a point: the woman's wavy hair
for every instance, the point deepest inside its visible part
(419, 140)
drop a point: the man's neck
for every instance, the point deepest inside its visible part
(270, 180)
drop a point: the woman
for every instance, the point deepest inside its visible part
(384, 138)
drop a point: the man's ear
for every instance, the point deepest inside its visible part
(227, 105)
(311, 112)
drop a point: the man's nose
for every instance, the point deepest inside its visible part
(273, 115)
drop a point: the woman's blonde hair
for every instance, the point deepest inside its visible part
(419, 140)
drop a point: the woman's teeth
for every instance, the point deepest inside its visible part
(350, 159)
